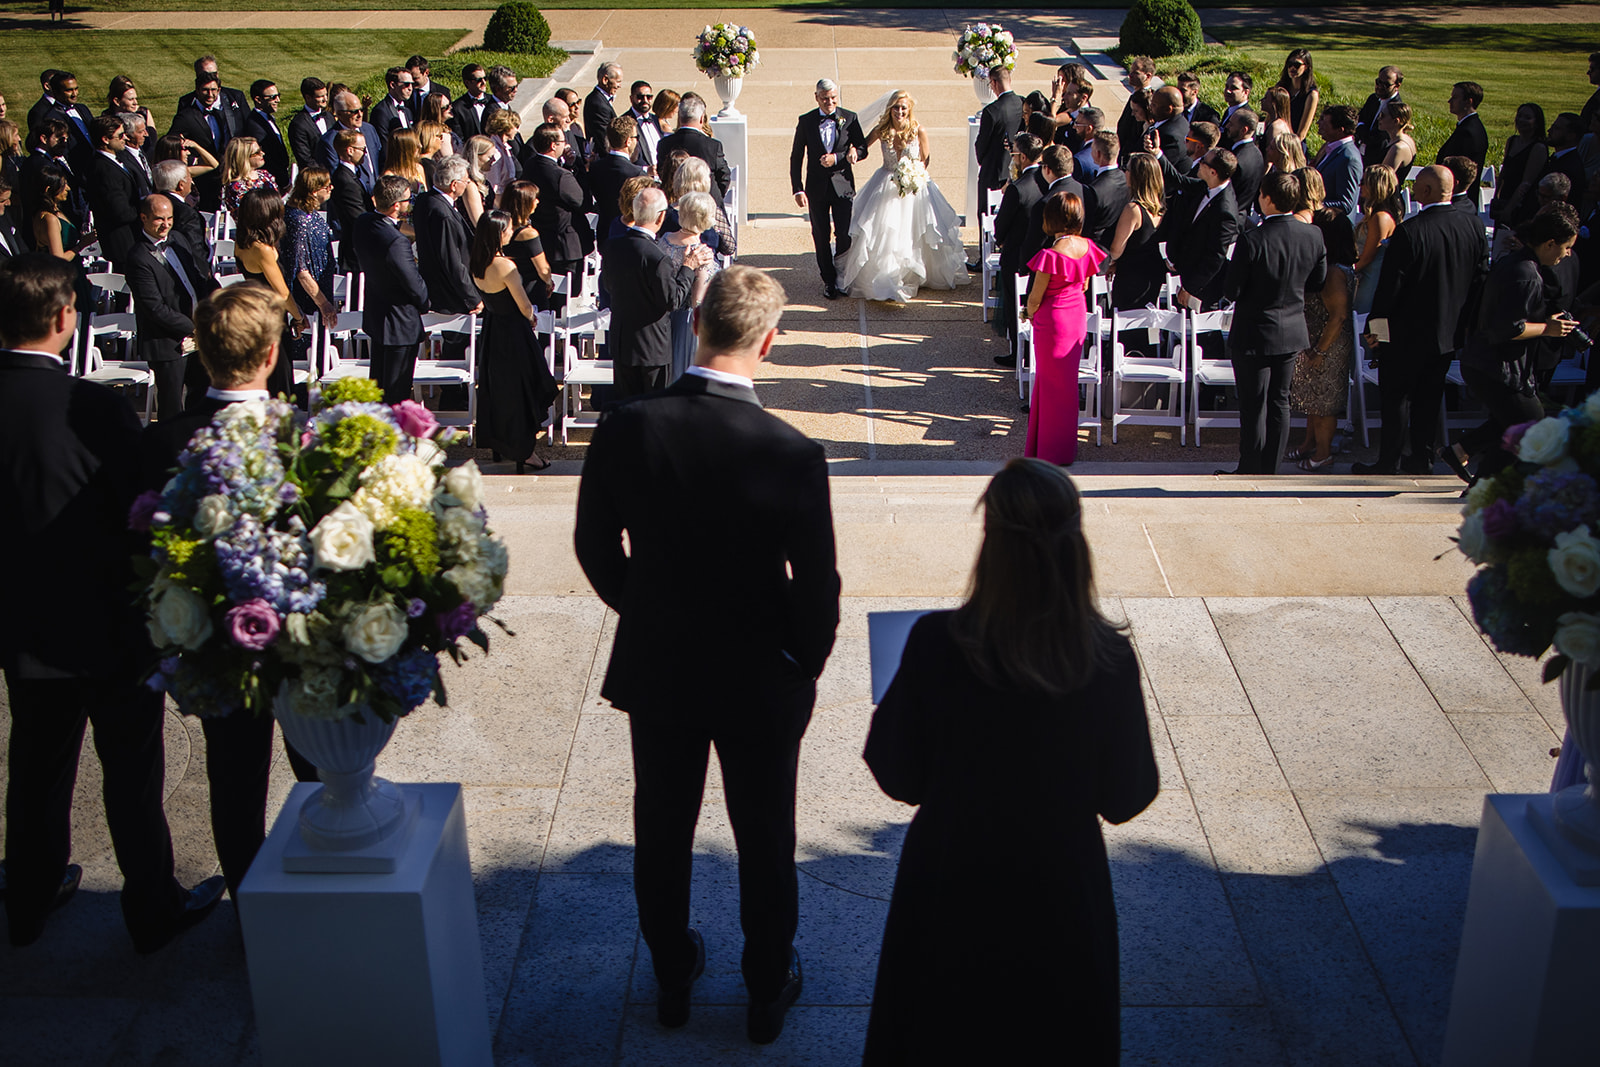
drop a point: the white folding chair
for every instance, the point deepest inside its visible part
(222, 255)
(433, 370)
(991, 200)
(989, 259)
(1366, 373)
(1165, 329)
(1019, 300)
(225, 280)
(1090, 375)
(130, 373)
(1203, 371)
(581, 365)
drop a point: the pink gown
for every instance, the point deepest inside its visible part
(1058, 335)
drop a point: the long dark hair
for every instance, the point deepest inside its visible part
(1308, 80)
(260, 219)
(47, 189)
(1031, 620)
(494, 229)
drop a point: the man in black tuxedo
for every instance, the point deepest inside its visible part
(1130, 130)
(611, 170)
(422, 87)
(1240, 137)
(998, 123)
(80, 141)
(560, 197)
(229, 99)
(643, 286)
(396, 294)
(352, 196)
(1273, 266)
(166, 285)
(393, 112)
(237, 333)
(703, 465)
(46, 102)
(352, 116)
(1372, 141)
(1469, 138)
(640, 97)
(473, 106)
(1011, 231)
(208, 124)
(692, 136)
(600, 106)
(1105, 192)
(72, 644)
(171, 178)
(573, 159)
(262, 124)
(1565, 158)
(1236, 95)
(1194, 109)
(444, 249)
(1434, 259)
(311, 122)
(827, 140)
(1199, 226)
(1171, 129)
(1055, 169)
(113, 192)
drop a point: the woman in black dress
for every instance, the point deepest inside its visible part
(520, 200)
(258, 233)
(1300, 82)
(1135, 265)
(1015, 720)
(515, 387)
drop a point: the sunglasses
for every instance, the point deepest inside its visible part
(273, 96)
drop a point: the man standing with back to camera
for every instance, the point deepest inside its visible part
(730, 540)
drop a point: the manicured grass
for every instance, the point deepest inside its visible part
(1514, 64)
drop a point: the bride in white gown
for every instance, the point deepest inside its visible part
(899, 244)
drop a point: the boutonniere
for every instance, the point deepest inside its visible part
(840, 121)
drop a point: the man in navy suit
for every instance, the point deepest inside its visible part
(827, 140)
(1340, 161)
(611, 171)
(396, 293)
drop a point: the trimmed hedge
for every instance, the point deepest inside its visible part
(1161, 28)
(516, 27)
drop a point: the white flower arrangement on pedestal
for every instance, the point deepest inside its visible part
(726, 50)
(910, 176)
(982, 48)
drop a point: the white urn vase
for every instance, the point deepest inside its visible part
(353, 810)
(980, 85)
(1577, 808)
(728, 89)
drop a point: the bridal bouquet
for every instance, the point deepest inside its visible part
(726, 50)
(910, 176)
(333, 556)
(1533, 529)
(983, 47)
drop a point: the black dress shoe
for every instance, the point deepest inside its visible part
(26, 933)
(1453, 460)
(1421, 466)
(1373, 468)
(1221, 471)
(764, 1021)
(974, 267)
(1005, 361)
(200, 902)
(833, 292)
(672, 1005)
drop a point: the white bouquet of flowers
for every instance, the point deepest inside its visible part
(984, 47)
(726, 50)
(910, 176)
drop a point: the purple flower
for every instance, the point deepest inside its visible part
(409, 677)
(143, 511)
(289, 493)
(415, 419)
(1500, 519)
(458, 622)
(1512, 439)
(1554, 502)
(415, 608)
(253, 625)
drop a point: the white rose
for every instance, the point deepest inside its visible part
(376, 632)
(342, 541)
(182, 617)
(1470, 538)
(465, 483)
(1478, 495)
(429, 452)
(1545, 441)
(1578, 637)
(212, 516)
(1575, 561)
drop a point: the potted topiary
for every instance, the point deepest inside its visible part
(1161, 28)
(517, 26)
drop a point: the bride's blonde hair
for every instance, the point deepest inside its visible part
(885, 129)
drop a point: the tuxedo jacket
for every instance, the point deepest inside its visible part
(10, 242)
(1011, 220)
(1273, 267)
(347, 204)
(1569, 163)
(130, 158)
(1171, 136)
(1433, 261)
(114, 199)
(643, 286)
(264, 128)
(163, 442)
(79, 146)
(396, 293)
(1035, 238)
(419, 97)
(1246, 180)
(727, 515)
(387, 116)
(28, 180)
(997, 125)
(369, 162)
(1130, 135)
(444, 247)
(189, 230)
(233, 101)
(1201, 112)
(698, 144)
(191, 122)
(1373, 142)
(1341, 176)
(163, 312)
(464, 117)
(304, 136)
(1104, 197)
(69, 469)
(1197, 244)
(606, 178)
(1469, 139)
(826, 184)
(560, 197)
(597, 115)
(40, 111)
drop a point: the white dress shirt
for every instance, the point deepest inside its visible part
(725, 377)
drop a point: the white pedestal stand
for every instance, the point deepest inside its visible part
(369, 968)
(1524, 980)
(973, 192)
(734, 133)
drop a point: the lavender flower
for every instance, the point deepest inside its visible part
(1555, 501)
(457, 622)
(415, 607)
(272, 565)
(1500, 519)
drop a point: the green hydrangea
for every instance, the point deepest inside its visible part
(359, 440)
(412, 539)
(1531, 579)
(362, 390)
(189, 561)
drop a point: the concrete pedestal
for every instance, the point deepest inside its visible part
(971, 217)
(1524, 981)
(734, 133)
(369, 968)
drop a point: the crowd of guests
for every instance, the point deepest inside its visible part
(1177, 186)
(420, 192)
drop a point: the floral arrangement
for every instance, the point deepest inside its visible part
(726, 50)
(332, 557)
(983, 47)
(910, 176)
(1533, 529)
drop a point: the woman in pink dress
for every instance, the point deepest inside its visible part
(1058, 310)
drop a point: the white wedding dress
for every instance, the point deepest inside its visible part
(899, 244)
